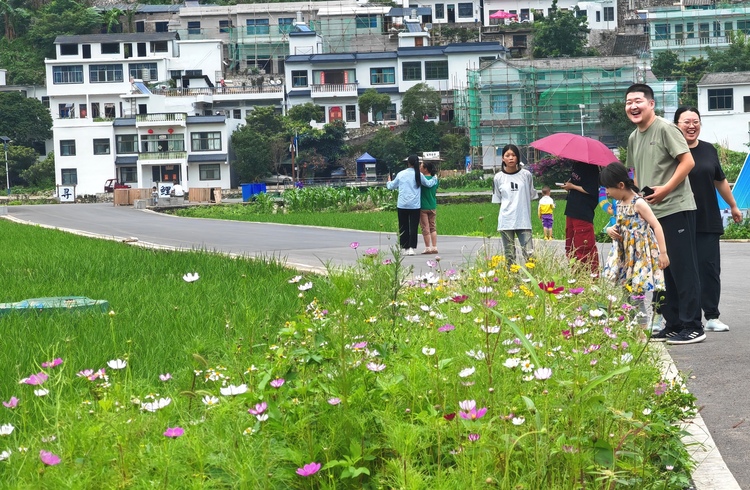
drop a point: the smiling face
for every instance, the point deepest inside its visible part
(690, 125)
(639, 109)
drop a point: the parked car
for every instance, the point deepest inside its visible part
(111, 184)
(277, 179)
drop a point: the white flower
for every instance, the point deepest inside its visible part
(512, 362)
(295, 279)
(484, 289)
(518, 420)
(491, 329)
(41, 392)
(6, 429)
(626, 358)
(478, 355)
(527, 377)
(49, 439)
(596, 313)
(305, 286)
(425, 308)
(543, 373)
(210, 400)
(646, 411)
(262, 417)
(190, 277)
(466, 372)
(413, 319)
(466, 309)
(5, 455)
(428, 351)
(233, 390)
(117, 364)
(156, 404)
(527, 366)
(467, 405)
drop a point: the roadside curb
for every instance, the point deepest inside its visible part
(711, 472)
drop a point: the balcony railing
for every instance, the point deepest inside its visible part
(162, 155)
(692, 42)
(175, 117)
(184, 92)
(334, 88)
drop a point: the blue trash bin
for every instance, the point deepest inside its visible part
(247, 191)
(262, 188)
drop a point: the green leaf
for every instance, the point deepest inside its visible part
(444, 362)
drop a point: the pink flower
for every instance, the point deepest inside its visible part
(354, 245)
(50, 364)
(490, 303)
(359, 345)
(387, 261)
(11, 403)
(334, 401)
(575, 290)
(259, 408)
(174, 432)
(474, 437)
(473, 414)
(449, 416)
(35, 379)
(459, 298)
(549, 287)
(49, 458)
(309, 469)
(371, 252)
(277, 383)
(375, 367)
(660, 389)
(165, 377)
(85, 373)
(446, 328)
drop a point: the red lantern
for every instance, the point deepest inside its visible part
(150, 131)
(170, 130)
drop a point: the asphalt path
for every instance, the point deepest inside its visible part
(718, 370)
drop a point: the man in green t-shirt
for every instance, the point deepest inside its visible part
(662, 161)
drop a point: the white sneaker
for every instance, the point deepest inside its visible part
(716, 325)
(410, 251)
(657, 323)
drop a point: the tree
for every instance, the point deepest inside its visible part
(304, 113)
(61, 17)
(419, 101)
(388, 149)
(453, 150)
(736, 57)
(25, 64)
(41, 174)
(615, 120)
(20, 158)
(26, 121)
(666, 66)
(421, 136)
(561, 33)
(330, 145)
(372, 100)
(266, 121)
(252, 160)
(112, 20)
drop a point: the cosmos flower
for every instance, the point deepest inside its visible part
(459, 298)
(446, 328)
(375, 367)
(334, 401)
(306, 286)
(12, 403)
(174, 432)
(295, 279)
(258, 409)
(233, 390)
(549, 287)
(277, 383)
(371, 252)
(473, 437)
(354, 245)
(428, 351)
(165, 377)
(466, 372)
(35, 379)
(210, 400)
(53, 363)
(543, 373)
(6, 429)
(49, 458)
(117, 364)
(518, 420)
(473, 414)
(156, 404)
(308, 469)
(191, 277)
(41, 392)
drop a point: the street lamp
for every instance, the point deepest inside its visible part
(5, 141)
(582, 107)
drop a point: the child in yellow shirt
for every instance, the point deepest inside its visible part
(546, 208)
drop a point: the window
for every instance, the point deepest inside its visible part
(237, 114)
(440, 11)
(110, 48)
(286, 24)
(678, 33)
(466, 10)
(746, 103)
(717, 29)
(609, 14)
(728, 28)
(720, 99)
(351, 113)
(45, 101)
(67, 148)
(128, 174)
(194, 73)
(205, 141)
(210, 171)
(615, 73)
(140, 26)
(572, 75)
(105, 73)
(161, 143)
(582, 14)
(390, 114)
(161, 26)
(690, 29)
(136, 70)
(436, 70)
(159, 46)
(380, 76)
(126, 143)
(366, 21)
(520, 41)
(662, 32)
(68, 49)
(224, 26)
(67, 74)
(194, 27)
(69, 176)
(500, 104)
(703, 32)
(411, 70)
(299, 78)
(101, 146)
(526, 14)
(257, 26)
(598, 16)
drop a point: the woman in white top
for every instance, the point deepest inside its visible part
(409, 182)
(513, 189)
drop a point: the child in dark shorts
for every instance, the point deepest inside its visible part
(546, 210)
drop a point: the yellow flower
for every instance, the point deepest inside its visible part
(515, 268)
(530, 264)
(509, 293)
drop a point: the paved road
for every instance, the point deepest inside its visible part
(719, 368)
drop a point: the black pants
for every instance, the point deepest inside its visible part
(709, 270)
(408, 224)
(682, 308)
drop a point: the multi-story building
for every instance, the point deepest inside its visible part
(724, 104)
(692, 27)
(335, 80)
(108, 123)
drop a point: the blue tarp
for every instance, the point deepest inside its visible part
(366, 158)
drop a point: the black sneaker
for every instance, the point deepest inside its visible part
(663, 335)
(687, 336)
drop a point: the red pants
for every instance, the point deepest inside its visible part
(580, 242)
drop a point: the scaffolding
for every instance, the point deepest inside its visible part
(520, 101)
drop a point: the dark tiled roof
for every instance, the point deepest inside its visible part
(630, 44)
(117, 37)
(402, 12)
(126, 160)
(207, 157)
(219, 118)
(726, 78)
(124, 121)
(381, 90)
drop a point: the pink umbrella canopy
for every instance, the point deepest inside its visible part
(576, 147)
(501, 14)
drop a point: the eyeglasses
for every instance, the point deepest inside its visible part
(690, 123)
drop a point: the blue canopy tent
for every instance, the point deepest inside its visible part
(362, 160)
(740, 191)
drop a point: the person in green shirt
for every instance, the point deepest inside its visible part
(429, 210)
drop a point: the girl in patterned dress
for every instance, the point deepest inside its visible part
(639, 251)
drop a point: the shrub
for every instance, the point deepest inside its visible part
(549, 170)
